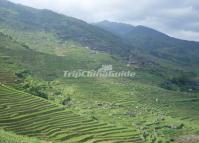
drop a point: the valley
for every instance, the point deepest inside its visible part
(39, 105)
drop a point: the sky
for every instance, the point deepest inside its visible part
(177, 18)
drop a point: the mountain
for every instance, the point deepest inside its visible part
(36, 100)
(154, 43)
(136, 44)
(26, 19)
(119, 29)
(144, 37)
(149, 50)
(93, 100)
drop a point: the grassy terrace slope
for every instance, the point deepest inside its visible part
(128, 103)
(7, 78)
(51, 62)
(122, 102)
(32, 116)
(7, 137)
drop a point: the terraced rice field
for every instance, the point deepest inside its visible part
(32, 116)
(8, 137)
(7, 78)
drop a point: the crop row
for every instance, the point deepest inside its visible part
(28, 115)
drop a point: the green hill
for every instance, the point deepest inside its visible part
(119, 102)
(36, 46)
(7, 137)
(15, 56)
(32, 116)
(159, 53)
(156, 46)
(25, 19)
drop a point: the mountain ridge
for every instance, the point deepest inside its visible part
(22, 18)
(160, 104)
(136, 45)
(150, 40)
(105, 24)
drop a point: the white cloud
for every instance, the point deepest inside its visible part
(187, 35)
(177, 18)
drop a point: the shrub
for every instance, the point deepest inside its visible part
(67, 101)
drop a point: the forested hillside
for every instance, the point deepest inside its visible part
(38, 104)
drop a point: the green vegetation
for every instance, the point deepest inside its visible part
(183, 82)
(7, 137)
(127, 103)
(28, 115)
(119, 102)
(159, 105)
(156, 49)
(23, 19)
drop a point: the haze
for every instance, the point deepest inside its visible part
(177, 18)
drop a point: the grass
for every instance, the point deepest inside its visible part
(130, 104)
(8, 137)
(99, 107)
(34, 117)
(51, 62)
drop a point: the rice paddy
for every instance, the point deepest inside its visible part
(32, 116)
